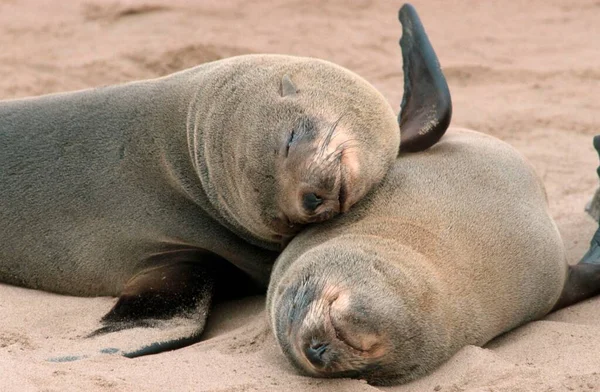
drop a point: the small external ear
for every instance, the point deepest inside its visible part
(287, 86)
(426, 107)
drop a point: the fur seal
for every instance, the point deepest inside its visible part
(154, 190)
(454, 247)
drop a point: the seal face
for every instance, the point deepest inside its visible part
(326, 164)
(328, 328)
(324, 170)
(303, 142)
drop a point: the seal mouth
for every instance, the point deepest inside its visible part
(340, 337)
(343, 195)
(284, 227)
(369, 350)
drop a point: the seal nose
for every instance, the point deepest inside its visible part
(310, 202)
(316, 207)
(315, 353)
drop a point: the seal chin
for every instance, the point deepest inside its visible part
(283, 226)
(330, 341)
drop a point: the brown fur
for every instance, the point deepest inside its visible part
(455, 247)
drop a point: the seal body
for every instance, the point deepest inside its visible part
(98, 183)
(454, 251)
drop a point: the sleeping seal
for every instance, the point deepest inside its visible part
(453, 248)
(153, 190)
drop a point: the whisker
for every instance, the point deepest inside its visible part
(330, 134)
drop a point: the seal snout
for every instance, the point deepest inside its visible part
(317, 206)
(323, 338)
(311, 201)
(315, 353)
(310, 204)
(321, 175)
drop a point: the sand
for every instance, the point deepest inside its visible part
(526, 72)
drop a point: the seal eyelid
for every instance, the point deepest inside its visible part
(289, 142)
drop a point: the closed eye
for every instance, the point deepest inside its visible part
(289, 143)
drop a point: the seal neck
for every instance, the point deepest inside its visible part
(199, 109)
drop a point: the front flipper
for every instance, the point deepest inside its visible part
(593, 206)
(173, 296)
(163, 307)
(426, 107)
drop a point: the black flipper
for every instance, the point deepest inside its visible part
(163, 307)
(426, 107)
(173, 293)
(593, 207)
(583, 279)
(160, 293)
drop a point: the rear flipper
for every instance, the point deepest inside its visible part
(593, 207)
(163, 307)
(583, 282)
(583, 279)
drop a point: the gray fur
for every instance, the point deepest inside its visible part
(455, 247)
(96, 182)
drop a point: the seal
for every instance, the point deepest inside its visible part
(453, 252)
(455, 247)
(160, 191)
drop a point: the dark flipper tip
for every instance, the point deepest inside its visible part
(426, 108)
(597, 148)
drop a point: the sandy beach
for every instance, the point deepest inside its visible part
(525, 72)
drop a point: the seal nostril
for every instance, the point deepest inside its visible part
(310, 201)
(315, 351)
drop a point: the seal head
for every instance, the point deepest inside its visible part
(324, 321)
(297, 141)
